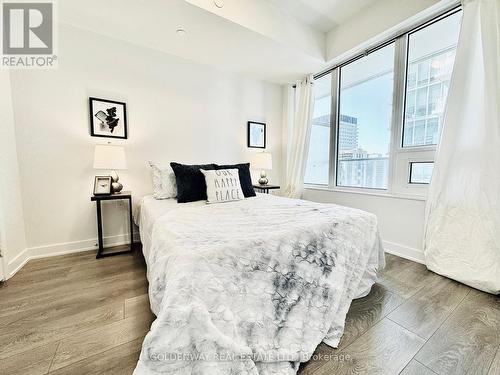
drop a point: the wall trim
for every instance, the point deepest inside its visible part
(2, 269)
(410, 253)
(63, 249)
(365, 192)
(16, 264)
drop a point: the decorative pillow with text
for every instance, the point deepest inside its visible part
(223, 185)
(245, 177)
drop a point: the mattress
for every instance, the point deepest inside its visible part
(150, 210)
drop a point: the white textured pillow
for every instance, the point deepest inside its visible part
(164, 185)
(223, 185)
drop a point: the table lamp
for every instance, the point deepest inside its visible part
(262, 161)
(111, 157)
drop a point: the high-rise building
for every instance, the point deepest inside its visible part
(355, 166)
(318, 154)
(348, 133)
(427, 88)
(359, 168)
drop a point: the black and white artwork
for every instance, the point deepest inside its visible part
(108, 118)
(256, 134)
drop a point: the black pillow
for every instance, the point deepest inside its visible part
(190, 181)
(245, 177)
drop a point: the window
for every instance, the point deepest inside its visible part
(431, 52)
(421, 172)
(378, 117)
(318, 159)
(366, 91)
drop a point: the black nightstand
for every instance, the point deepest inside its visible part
(265, 188)
(98, 199)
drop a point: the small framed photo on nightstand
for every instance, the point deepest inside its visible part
(102, 185)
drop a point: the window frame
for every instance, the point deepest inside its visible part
(336, 124)
(411, 169)
(400, 158)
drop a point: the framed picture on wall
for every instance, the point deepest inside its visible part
(108, 118)
(256, 136)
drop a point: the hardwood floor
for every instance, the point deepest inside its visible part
(78, 315)
(74, 315)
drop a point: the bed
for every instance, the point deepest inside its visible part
(252, 286)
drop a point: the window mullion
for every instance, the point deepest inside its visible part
(398, 104)
(334, 117)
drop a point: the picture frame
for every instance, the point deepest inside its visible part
(108, 118)
(102, 185)
(256, 134)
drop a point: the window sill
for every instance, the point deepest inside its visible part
(376, 193)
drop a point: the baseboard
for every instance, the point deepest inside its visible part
(16, 264)
(403, 251)
(78, 246)
(63, 249)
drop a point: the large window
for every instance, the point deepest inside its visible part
(378, 117)
(365, 107)
(318, 158)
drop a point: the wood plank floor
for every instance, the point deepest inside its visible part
(78, 315)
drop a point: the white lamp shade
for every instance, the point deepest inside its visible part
(109, 157)
(262, 160)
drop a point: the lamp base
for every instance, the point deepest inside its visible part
(115, 185)
(263, 178)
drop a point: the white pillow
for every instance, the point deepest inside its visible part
(164, 185)
(223, 185)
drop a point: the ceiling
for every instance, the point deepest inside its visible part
(322, 15)
(274, 40)
(210, 39)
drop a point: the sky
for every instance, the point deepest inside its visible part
(371, 104)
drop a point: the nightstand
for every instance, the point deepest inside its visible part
(127, 195)
(265, 188)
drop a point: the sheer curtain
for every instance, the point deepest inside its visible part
(462, 235)
(297, 133)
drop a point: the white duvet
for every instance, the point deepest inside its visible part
(252, 287)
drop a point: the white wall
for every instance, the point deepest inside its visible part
(401, 220)
(177, 110)
(12, 236)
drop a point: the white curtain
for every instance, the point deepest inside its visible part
(462, 235)
(297, 133)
